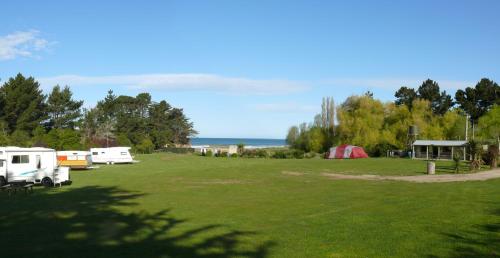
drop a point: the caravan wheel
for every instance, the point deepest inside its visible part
(47, 182)
(2, 181)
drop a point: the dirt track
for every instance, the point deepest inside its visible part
(479, 176)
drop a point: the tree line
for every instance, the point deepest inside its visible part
(28, 118)
(380, 126)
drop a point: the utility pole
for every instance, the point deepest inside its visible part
(466, 126)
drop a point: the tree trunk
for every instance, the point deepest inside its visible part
(473, 129)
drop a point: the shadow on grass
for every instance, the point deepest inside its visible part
(86, 222)
(463, 167)
(480, 241)
(450, 169)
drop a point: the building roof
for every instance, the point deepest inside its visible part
(439, 143)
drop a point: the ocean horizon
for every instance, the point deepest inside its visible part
(249, 142)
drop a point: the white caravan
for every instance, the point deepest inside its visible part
(35, 165)
(111, 155)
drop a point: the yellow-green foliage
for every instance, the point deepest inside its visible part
(368, 122)
(360, 120)
(317, 139)
(397, 121)
(489, 124)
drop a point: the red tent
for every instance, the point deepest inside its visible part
(346, 152)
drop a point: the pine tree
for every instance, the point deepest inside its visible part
(23, 101)
(478, 100)
(405, 96)
(159, 124)
(64, 112)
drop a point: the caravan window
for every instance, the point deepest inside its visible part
(20, 159)
(123, 153)
(95, 153)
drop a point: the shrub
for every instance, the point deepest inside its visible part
(146, 146)
(476, 152)
(457, 156)
(380, 149)
(176, 150)
(279, 154)
(241, 148)
(310, 155)
(297, 154)
(255, 153)
(123, 140)
(261, 153)
(234, 155)
(209, 153)
(492, 156)
(248, 154)
(290, 154)
(222, 154)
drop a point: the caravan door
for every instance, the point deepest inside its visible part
(3, 172)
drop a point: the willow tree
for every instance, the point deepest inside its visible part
(489, 124)
(361, 119)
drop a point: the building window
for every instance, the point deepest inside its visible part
(20, 159)
(95, 153)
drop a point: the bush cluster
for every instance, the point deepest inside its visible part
(263, 153)
(288, 154)
(255, 153)
(221, 154)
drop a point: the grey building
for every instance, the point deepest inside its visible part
(434, 149)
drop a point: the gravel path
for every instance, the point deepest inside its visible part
(479, 176)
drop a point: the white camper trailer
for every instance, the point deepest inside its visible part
(34, 165)
(111, 155)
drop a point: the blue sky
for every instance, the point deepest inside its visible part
(249, 68)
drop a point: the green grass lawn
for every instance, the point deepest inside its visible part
(188, 206)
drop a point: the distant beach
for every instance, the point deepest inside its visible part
(250, 143)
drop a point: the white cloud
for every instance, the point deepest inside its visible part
(182, 82)
(394, 83)
(22, 44)
(288, 107)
